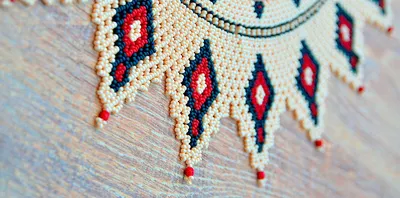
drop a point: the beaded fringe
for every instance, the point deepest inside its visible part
(251, 64)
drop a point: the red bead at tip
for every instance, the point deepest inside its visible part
(390, 30)
(104, 115)
(189, 171)
(361, 89)
(319, 143)
(260, 175)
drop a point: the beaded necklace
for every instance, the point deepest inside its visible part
(250, 60)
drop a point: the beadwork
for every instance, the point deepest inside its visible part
(250, 60)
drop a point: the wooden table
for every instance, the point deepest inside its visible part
(49, 146)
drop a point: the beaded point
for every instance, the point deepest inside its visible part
(261, 178)
(319, 144)
(188, 174)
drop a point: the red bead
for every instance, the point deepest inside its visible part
(354, 61)
(119, 73)
(260, 135)
(390, 30)
(260, 175)
(189, 171)
(319, 143)
(314, 110)
(104, 115)
(361, 89)
(195, 127)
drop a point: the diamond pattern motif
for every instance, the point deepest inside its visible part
(202, 89)
(135, 39)
(345, 37)
(307, 80)
(259, 98)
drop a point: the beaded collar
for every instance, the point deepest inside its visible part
(249, 60)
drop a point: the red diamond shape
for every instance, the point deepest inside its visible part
(132, 47)
(346, 43)
(200, 98)
(308, 64)
(260, 108)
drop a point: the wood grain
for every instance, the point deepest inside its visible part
(49, 147)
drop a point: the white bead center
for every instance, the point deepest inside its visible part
(201, 83)
(260, 95)
(308, 76)
(135, 30)
(345, 31)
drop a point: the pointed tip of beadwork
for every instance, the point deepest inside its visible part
(361, 90)
(319, 144)
(189, 173)
(102, 119)
(390, 30)
(261, 178)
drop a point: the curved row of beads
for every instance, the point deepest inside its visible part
(254, 31)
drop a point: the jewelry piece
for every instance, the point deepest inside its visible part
(250, 60)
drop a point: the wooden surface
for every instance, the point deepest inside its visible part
(49, 146)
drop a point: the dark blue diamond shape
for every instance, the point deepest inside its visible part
(131, 51)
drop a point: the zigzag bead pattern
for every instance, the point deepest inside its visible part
(249, 60)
